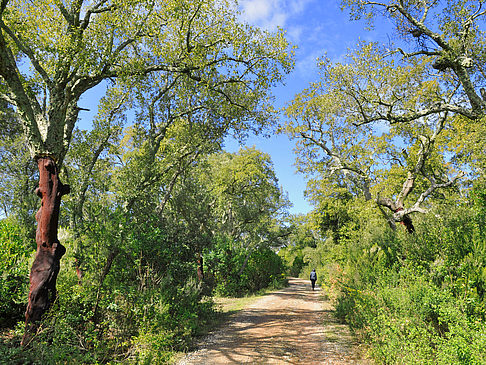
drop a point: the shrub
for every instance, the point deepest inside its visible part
(14, 271)
(261, 269)
(417, 299)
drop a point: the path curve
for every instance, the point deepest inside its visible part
(289, 326)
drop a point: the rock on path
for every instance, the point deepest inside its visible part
(290, 326)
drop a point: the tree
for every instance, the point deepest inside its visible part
(248, 202)
(449, 35)
(18, 173)
(304, 233)
(52, 52)
(388, 139)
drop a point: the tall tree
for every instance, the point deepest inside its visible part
(449, 34)
(18, 171)
(52, 52)
(411, 91)
(249, 204)
(357, 146)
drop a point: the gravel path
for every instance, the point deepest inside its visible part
(290, 326)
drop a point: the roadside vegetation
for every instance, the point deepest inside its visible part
(392, 142)
(155, 218)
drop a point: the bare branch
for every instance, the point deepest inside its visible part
(407, 188)
(3, 5)
(413, 54)
(390, 220)
(400, 214)
(363, 179)
(426, 12)
(436, 109)
(188, 34)
(421, 26)
(64, 12)
(386, 202)
(7, 98)
(95, 9)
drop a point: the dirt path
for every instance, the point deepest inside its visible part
(290, 326)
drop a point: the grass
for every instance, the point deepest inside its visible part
(233, 305)
(230, 305)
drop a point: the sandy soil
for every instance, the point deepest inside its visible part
(290, 326)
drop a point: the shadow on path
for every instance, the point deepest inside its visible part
(289, 326)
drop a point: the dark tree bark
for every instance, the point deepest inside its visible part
(109, 262)
(407, 222)
(45, 268)
(200, 268)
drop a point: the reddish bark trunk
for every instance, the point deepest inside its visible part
(79, 272)
(407, 222)
(45, 268)
(200, 268)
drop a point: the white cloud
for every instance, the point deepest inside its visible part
(263, 13)
(295, 34)
(307, 65)
(270, 14)
(256, 10)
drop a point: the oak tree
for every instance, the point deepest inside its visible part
(53, 51)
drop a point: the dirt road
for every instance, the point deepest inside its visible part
(290, 326)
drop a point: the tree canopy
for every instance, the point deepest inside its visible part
(381, 124)
(169, 64)
(54, 51)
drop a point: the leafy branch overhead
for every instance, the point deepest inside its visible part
(448, 34)
(381, 123)
(70, 47)
(163, 64)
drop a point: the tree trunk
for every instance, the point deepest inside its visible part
(43, 274)
(407, 222)
(109, 262)
(243, 267)
(200, 268)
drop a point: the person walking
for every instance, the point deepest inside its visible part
(313, 278)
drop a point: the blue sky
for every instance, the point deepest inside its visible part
(317, 28)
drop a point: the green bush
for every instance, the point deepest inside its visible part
(141, 308)
(224, 263)
(418, 299)
(14, 271)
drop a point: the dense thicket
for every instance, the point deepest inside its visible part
(146, 203)
(160, 219)
(415, 298)
(187, 72)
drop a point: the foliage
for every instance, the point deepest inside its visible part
(349, 150)
(156, 51)
(390, 131)
(128, 287)
(264, 268)
(303, 238)
(15, 254)
(184, 75)
(420, 297)
(18, 173)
